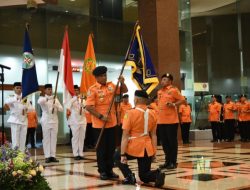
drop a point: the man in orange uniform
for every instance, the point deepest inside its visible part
(244, 118)
(154, 106)
(32, 125)
(124, 106)
(139, 142)
(169, 98)
(186, 120)
(214, 111)
(99, 98)
(229, 119)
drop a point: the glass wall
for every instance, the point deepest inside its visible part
(186, 52)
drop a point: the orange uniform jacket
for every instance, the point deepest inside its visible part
(123, 108)
(32, 119)
(242, 110)
(88, 117)
(214, 110)
(185, 111)
(100, 97)
(168, 115)
(134, 123)
(228, 110)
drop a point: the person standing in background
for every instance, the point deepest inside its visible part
(214, 111)
(18, 117)
(185, 121)
(49, 122)
(124, 107)
(229, 119)
(77, 122)
(32, 125)
(244, 118)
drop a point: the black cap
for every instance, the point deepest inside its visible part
(228, 96)
(99, 70)
(168, 75)
(17, 84)
(48, 86)
(243, 95)
(76, 86)
(125, 96)
(141, 93)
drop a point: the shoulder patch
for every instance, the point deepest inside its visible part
(126, 116)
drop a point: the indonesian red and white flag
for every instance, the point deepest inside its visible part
(65, 70)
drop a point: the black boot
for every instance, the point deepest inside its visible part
(160, 178)
(130, 179)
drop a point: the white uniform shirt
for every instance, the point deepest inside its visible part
(47, 106)
(74, 106)
(18, 110)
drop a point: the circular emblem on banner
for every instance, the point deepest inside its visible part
(28, 60)
(204, 85)
(89, 65)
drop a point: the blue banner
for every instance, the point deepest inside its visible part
(29, 78)
(143, 72)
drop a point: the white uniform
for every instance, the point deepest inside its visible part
(18, 120)
(49, 124)
(77, 124)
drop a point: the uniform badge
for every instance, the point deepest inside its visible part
(88, 93)
(110, 88)
(125, 116)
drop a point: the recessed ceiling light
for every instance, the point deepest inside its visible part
(72, 0)
(66, 11)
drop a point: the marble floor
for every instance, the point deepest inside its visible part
(201, 166)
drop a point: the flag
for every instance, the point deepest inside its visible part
(65, 70)
(143, 72)
(29, 77)
(89, 65)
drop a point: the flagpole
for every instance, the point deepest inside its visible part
(57, 78)
(116, 87)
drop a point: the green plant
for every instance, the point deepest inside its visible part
(19, 172)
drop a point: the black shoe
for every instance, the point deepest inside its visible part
(47, 160)
(171, 166)
(163, 166)
(103, 176)
(213, 140)
(131, 180)
(112, 175)
(53, 159)
(80, 157)
(160, 178)
(76, 158)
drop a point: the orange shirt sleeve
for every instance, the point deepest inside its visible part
(91, 97)
(126, 121)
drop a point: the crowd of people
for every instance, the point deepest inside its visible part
(126, 133)
(226, 118)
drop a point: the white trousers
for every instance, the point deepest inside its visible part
(18, 136)
(49, 139)
(78, 136)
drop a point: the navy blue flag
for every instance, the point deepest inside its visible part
(29, 78)
(143, 72)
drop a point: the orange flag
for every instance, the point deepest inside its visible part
(89, 65)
